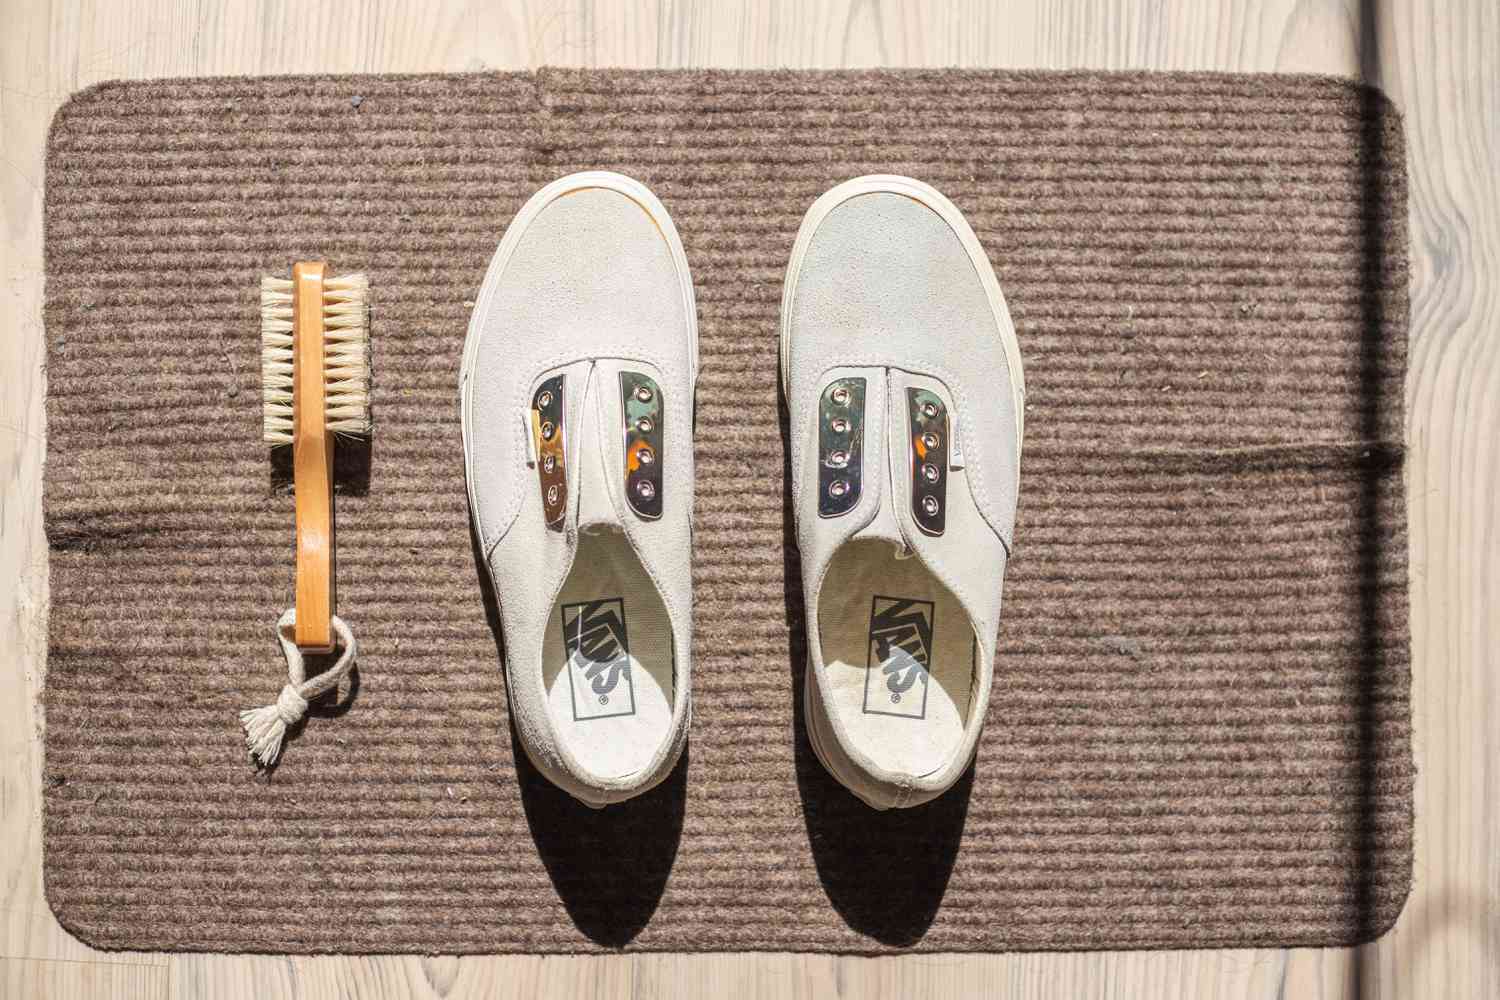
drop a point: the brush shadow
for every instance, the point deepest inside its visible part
(608, 866)
(884, 872)
(352, 458)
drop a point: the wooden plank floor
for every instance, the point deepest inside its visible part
(1438, 59)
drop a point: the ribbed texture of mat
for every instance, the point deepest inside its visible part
(1200, 728)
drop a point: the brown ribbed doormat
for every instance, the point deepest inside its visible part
(1200, 729)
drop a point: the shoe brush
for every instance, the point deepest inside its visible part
(315, 384)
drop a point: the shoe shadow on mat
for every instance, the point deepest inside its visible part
(609, 866)
(884, 872)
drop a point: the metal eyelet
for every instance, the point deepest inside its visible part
(927, 417)
(641, 403)
(841, 417)
(547, 436)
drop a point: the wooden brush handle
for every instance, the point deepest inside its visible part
(312, 464)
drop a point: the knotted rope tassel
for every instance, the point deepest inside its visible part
(266, 727)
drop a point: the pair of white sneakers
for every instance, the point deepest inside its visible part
(904, 387)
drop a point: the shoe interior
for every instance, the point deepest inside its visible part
(607, 659)
(899, 656)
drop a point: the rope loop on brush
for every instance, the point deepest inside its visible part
(266, 727)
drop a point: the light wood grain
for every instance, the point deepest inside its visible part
(312, 463)
(39, 978)
(1439, 60)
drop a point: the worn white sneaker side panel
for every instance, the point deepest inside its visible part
(589, 281)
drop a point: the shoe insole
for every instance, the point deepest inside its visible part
(607, 659)
(899, 653)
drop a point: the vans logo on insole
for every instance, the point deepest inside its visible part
(598, 651)
(900, 656)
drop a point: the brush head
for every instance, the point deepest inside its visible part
(346, 356)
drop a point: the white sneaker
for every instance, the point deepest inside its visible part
(903, 381)
(577, 390)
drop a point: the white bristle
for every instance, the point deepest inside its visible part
(346, 356)
(276, 359)
(346, 353)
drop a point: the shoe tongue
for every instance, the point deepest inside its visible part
(885, 526)
(596, 509)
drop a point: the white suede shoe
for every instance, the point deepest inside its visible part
(577, 393)
(903, 381)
